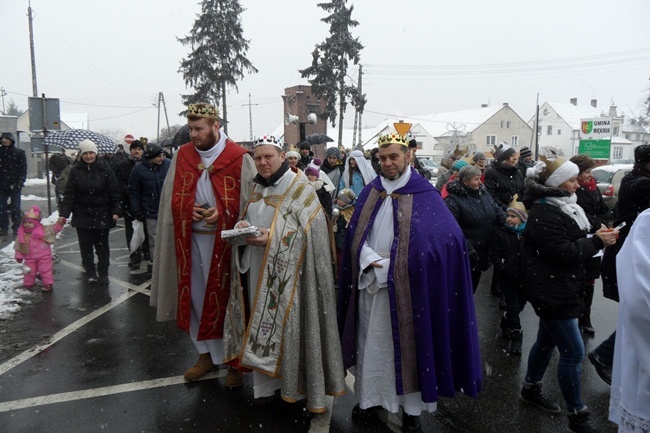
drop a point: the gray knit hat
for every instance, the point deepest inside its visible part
(333, 151)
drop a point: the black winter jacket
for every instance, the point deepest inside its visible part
(503, 182)
(556, 250)
(145, 187)
(598, 213)
(477, 215)
(633, 198)
(507, 256)
(13, 167)
(91, 195)
(122, 168)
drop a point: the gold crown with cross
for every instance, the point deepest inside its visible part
(203, 109)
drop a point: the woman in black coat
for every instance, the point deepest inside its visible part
(591, 201)
(556, 249)
(92, 196)
(503, 180)
(477, 215)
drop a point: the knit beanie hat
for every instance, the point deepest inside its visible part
(525, 152)
(87, 146)
(135, 144)
(153, 150)
(504, 151)
(347, 196)
(477, 156)
(458, 165)
(292, 153)
(333, 151)
(642, 154)
(304, 145)
(313, 168)
(561, 174)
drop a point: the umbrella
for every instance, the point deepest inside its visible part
(166, 142)
(69, 139)
(181, 137)
(317, 138)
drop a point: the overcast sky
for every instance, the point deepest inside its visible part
(111, 58)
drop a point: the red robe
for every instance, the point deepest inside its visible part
(225, 176)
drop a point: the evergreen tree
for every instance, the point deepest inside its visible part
(218, 57)
(329, 65)
(12, 109)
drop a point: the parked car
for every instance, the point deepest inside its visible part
(608, 178)
(431, 168)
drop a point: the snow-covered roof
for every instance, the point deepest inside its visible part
(572, 114)
(440, 124)
(620, 140)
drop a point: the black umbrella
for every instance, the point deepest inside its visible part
(70, 138)
(317, 138)
(181, 137)
(166, 142)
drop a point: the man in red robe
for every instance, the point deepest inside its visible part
(208, 182)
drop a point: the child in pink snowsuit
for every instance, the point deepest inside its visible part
(33, 246)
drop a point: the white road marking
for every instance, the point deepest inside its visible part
(141, 288)
(101, 392)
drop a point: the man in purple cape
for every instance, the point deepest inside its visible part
(406, 309)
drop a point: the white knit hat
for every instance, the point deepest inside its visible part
(87, 146)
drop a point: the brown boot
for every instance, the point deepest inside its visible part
(234, 378)
(201, 368)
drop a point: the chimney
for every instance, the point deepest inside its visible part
(483, 105)
(612, 111)
(505, 104)
(574, 101)
(594, 103)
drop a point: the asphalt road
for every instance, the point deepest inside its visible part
(93, 359)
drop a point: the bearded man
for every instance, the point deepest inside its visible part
(281, 318)
(406, 309)
(208, 181)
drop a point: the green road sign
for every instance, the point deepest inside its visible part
(597, 149)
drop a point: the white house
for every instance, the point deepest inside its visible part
(560, 122)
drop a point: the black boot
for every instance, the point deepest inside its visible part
(411, 423)
(585, 321)
(580, 422)
(532, 393)
(516, 337)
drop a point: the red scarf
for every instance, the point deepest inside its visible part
(225, 176)
(589, 186)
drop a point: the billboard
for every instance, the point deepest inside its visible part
(597, 149)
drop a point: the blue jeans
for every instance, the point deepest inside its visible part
(565, 334)
(14, 209)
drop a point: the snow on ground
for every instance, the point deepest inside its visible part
(35, 181)
(31, 197)
(12, 293)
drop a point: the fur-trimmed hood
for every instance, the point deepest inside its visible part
(536, 190)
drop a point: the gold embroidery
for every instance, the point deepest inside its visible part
(394, 195)
(273, 200)
(202, 167)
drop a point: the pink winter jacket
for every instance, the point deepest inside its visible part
(36, 243)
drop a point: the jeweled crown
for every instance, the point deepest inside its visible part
(203, 109)
(393, 138)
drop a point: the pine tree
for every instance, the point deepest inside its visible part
(329, 65)
(218, 58)
(12, 109)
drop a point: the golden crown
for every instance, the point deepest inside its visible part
(203, 109)
(516, 204)
(393, 138)
(553, 162)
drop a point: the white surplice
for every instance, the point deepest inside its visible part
(202, 247)
(375, 368)
(629, 405)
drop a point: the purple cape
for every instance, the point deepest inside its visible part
(435, 333)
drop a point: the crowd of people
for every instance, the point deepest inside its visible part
(394, 301)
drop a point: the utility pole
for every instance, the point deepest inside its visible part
(158, 127)
(3, 94)
(162, 97)
(250, 115)
(31, 47)
(361, 111)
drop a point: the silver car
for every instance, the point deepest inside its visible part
(608, 178)
(430, 168)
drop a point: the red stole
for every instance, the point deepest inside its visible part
(225, 176)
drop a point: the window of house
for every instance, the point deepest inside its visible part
(490, 140)
(638, 137)
(515, 140)
(617, 152)
(549, 130)
(559, 132)
(627, 135)
(505, 124)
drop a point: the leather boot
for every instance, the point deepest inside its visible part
(203, 366)
(234, 378)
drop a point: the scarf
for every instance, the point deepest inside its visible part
(589, 186)
(569, 205)
(35, 233)
(518, 229)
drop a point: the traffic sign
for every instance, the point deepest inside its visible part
(128, 139)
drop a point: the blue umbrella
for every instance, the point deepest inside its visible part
(70, 138)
